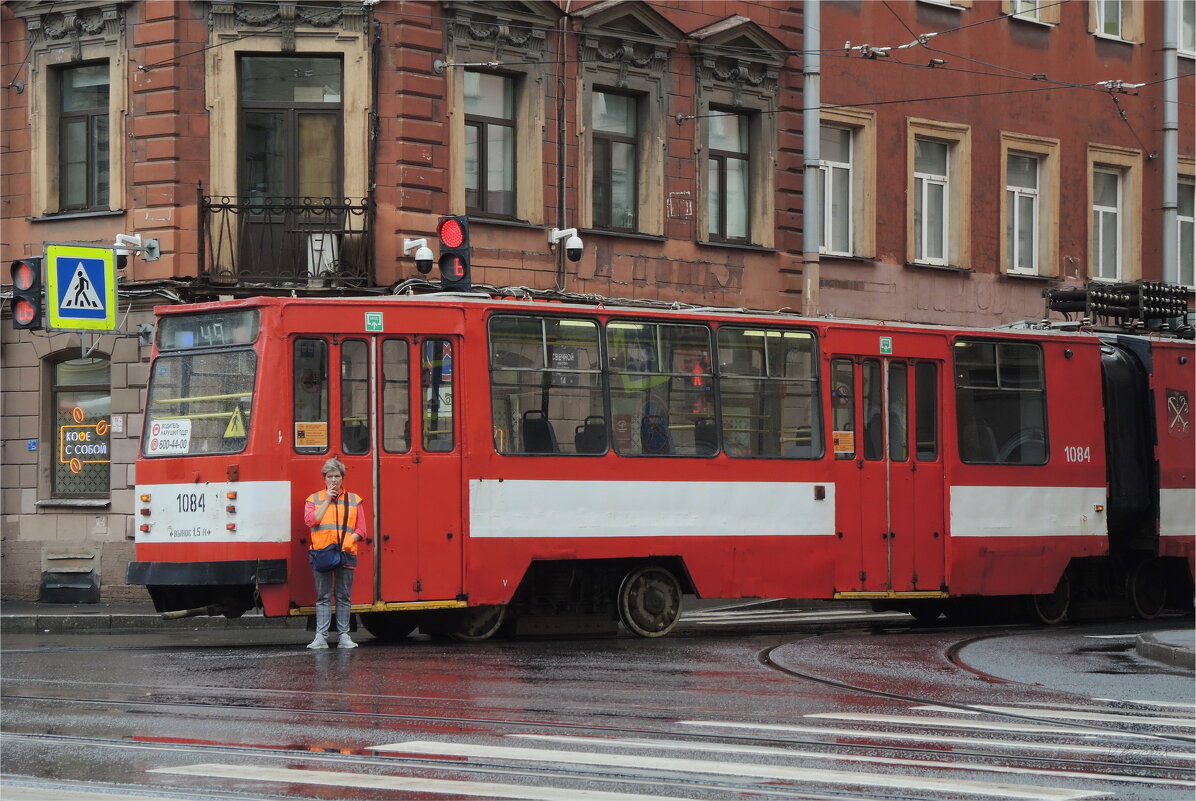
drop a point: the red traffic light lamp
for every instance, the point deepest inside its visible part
(27, 293)
(454, 253)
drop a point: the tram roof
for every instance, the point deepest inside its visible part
(524, 299)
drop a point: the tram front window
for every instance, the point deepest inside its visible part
(199, 403)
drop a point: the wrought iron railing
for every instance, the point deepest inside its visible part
(315, 242)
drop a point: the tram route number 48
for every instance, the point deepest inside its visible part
(1078, 453)
(191, 502)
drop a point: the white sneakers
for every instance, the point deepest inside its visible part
(320, 643)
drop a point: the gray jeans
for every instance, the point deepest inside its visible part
(340, 580)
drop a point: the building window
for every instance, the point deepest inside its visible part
(83, 138)
(1106, 225)
(1025, 9)
(1021, 215)
(931, 222)
(615, 159)
(1117, 19)
(1186, 9)
(82, 428)
(728, 187)
(291, 127)
(938, 221)
(834, 189)
(1187, 233)
(489, 144)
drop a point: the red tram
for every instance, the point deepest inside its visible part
(522, 460)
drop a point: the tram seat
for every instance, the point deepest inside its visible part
(538, 436)
(590, 436)
(977, 443)
(705, 436)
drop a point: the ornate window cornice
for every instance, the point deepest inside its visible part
(737, 55)
(71, 23)
(627, 35)
(285, 18)
(499, 32)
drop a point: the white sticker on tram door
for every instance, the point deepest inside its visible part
(169, 436)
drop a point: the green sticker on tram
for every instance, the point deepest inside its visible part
(886, 346)
(373, 321)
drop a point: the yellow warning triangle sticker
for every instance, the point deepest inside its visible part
(236, 425)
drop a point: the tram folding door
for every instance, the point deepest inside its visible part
(887, 433)
(400, 426)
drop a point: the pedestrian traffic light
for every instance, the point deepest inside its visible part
(454, 253)
(27, 293)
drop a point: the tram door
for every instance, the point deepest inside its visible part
(886, 415)
(399, 426)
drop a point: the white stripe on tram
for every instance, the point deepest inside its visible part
(786, 728)
(582, 509)
(407, 784)
(1027, 511)
(764, 750)
(952, 787)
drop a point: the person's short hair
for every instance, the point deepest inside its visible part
(333, 463)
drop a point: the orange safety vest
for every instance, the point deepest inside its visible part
(339, 518)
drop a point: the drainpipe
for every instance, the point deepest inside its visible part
(1170, 252)
(811, 136)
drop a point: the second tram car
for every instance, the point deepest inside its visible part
(523, 460)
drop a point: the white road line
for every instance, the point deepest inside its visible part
(1063, 714)
(17, 793)
(952, 787)
(764, 750)
(861, 734)
(951, 723)
(408, 784)
(1175, 704)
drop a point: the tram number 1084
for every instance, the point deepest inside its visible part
(191, 502)
(1078, 453)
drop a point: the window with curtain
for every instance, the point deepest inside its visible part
(1106, 225)
(615, 158)
(489, 144)
(728, 186)
(834, 189)
(931, 223)
(1021, 214)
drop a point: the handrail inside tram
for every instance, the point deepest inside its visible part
(200, 398)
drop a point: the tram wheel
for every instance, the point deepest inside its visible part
(1148, 588)
(389, 626)
(1053, 607)
(925, 613)
(477, 623)
(650, 601)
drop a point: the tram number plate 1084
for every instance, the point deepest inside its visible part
(1078, 453)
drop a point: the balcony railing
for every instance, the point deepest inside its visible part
(314, 242)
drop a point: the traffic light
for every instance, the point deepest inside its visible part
(454, 253)
(27, 293)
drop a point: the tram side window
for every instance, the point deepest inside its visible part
(768, 393)
(1000, 401)
(310, 392)
(396, 396)
(436, 379)
(355, 400)
(926, 411)
(661, 389)
(546, 385)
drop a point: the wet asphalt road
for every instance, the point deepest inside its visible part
(738, 703)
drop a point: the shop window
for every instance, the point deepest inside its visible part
(82, 428)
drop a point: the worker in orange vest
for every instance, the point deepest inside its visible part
(334, 516)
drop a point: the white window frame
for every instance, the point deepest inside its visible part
(1102, 216)
(1046, 235)
(862, 125)
(1186, 228)
(958, 200)
(1104, 9)
(1014, 196)
(1026, 9)
(1186, 39)
(922, 183)
(826, 169)
(1130, 20)
(1128, 163)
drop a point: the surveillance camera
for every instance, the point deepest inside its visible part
(423, 260)
(573, 248)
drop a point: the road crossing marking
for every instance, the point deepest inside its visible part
(951, 723)
(764, 750)
(1175, 704)
(760, 772)
(973, 741)
(1064, 714)
(409, 784)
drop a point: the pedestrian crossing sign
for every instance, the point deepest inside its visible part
(81, 287)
